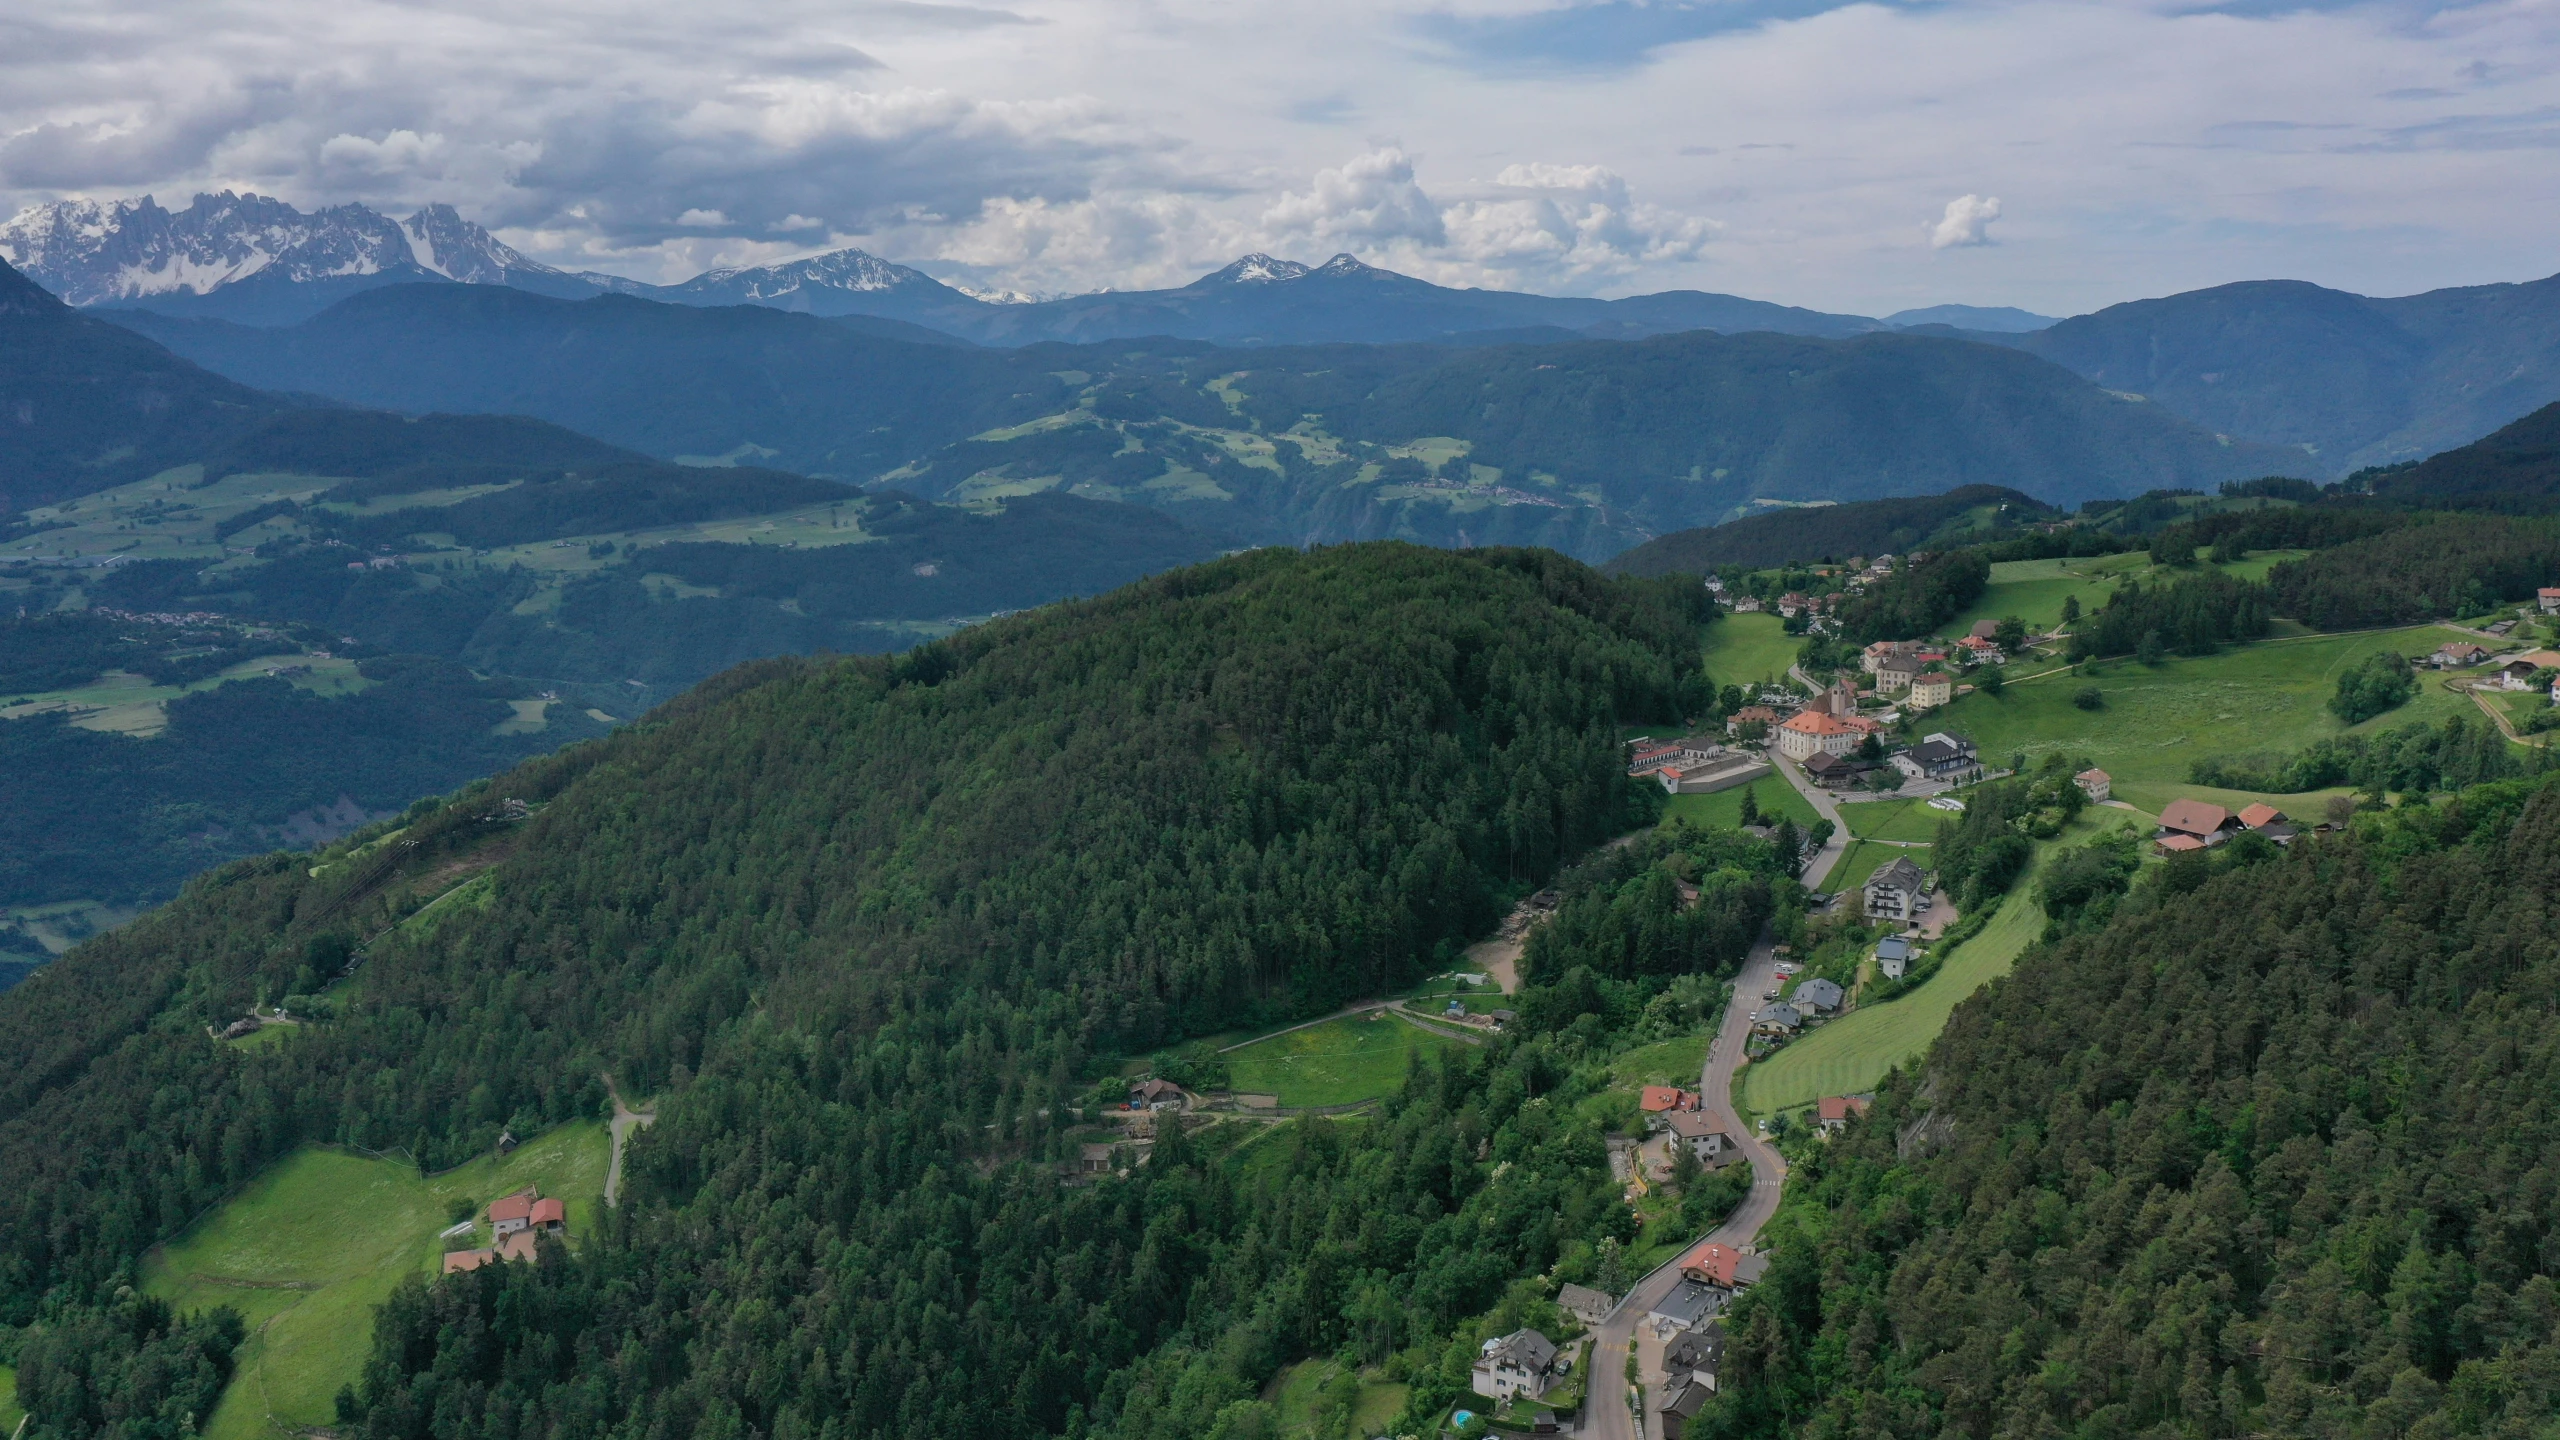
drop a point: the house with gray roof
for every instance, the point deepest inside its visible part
(1816, 997)
(1689, 1305)
(1515, 1364)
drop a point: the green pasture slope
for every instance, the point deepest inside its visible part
(1850, 1054)
(1745, 649)
(2033, 590)
(1340, 1062)
(1893, 820)
(308, 1251)
(2271, 697)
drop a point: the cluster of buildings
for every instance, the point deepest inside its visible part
(1811, 1002)
(2189, 825)
(1676, 1115)
(514, 1221)
(2505, 672)
(1695, 765)
(1693, 1339)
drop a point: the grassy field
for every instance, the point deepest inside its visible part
(2270, 697)
(310, 1248)
(1743, 649)
(1669, 1062)
(1297, 1397)
(1772, 792)
(127, 704)
(10, 1414)
(1893, 820)
(2033, 590)
(1358, 1057)
(1852, 1053)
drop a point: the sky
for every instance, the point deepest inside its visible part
(1865, 158)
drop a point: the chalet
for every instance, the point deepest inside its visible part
(1834, 1112)
(2196, 820)
(2096, 784)
(1816, 997)
(1703, 1137)
(511, 1213)
(1893, 956)
(1810, 732)
(1520, 1363)
(1931, 689)
(2269, 821)
(2460, 654)
(1688, 1305)
(2548, 597)
(1584, 1303)
(1778, 1020)
(1156, 1095)
(1941, 755)
(1898, 891)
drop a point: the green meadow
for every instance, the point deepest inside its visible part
(1676, 1061)
(2033, 590)
(1744, 649)
(1772, 793)
(308, 1251)
(1340, 1062)
(2154, 721)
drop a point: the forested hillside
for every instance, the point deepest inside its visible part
(863, 924)
(2272, 1154)
(1966, 514)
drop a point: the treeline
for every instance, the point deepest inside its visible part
(1799, 533)
(2270, 1154)
(2448, 565)
(2191, 615)
(1916, 599)
(2456, 754)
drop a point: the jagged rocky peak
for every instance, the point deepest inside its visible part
(856, 270)
(90, 251)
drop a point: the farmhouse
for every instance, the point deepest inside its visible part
(2548, 597)
(1156, 1095)
(1810, 733)
(2096, 784)
(514, 1221)
(2269, 821)
(1515, 1364)
(2195, 820)
(1893, 956)
(2517, 673)
(2458, 654)
(1897, 891)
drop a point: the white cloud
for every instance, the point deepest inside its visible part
(1967, 221)
(1072, 144)
(1372, 200)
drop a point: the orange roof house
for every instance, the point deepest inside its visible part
(518, 1206)
(1811, 732)
(2260, 815)
(1657, 1099)
(2178, 844)
(550, 1212)
(1723, 1265)
(1836, 1109)
(458, 1261)
(2206, 822)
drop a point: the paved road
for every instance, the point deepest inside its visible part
(1819, 868)
(1605, 1417)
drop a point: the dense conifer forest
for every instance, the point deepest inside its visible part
(867, 926)
(2272, 1153)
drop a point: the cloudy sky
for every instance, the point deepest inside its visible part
(1861, 157)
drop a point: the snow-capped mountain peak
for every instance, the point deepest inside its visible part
(1254, 269)
(848, 270)
(442, 241)
(1347, 266)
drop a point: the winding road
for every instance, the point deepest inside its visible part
(1602, 1419)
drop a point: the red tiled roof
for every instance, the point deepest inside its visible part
(1814, 722)
(511, 1207)
(2194, 817)
(1714, 1261)
(2181, 842)
(1657, 1098)
(2260, 815)
(550, 1212)
(456, 1261)
(1841, 1107)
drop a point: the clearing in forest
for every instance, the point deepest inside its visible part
(310, 1248)
(1745, 649)
(1340, 1062)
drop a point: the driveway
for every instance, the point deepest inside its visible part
(1605, 1415)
